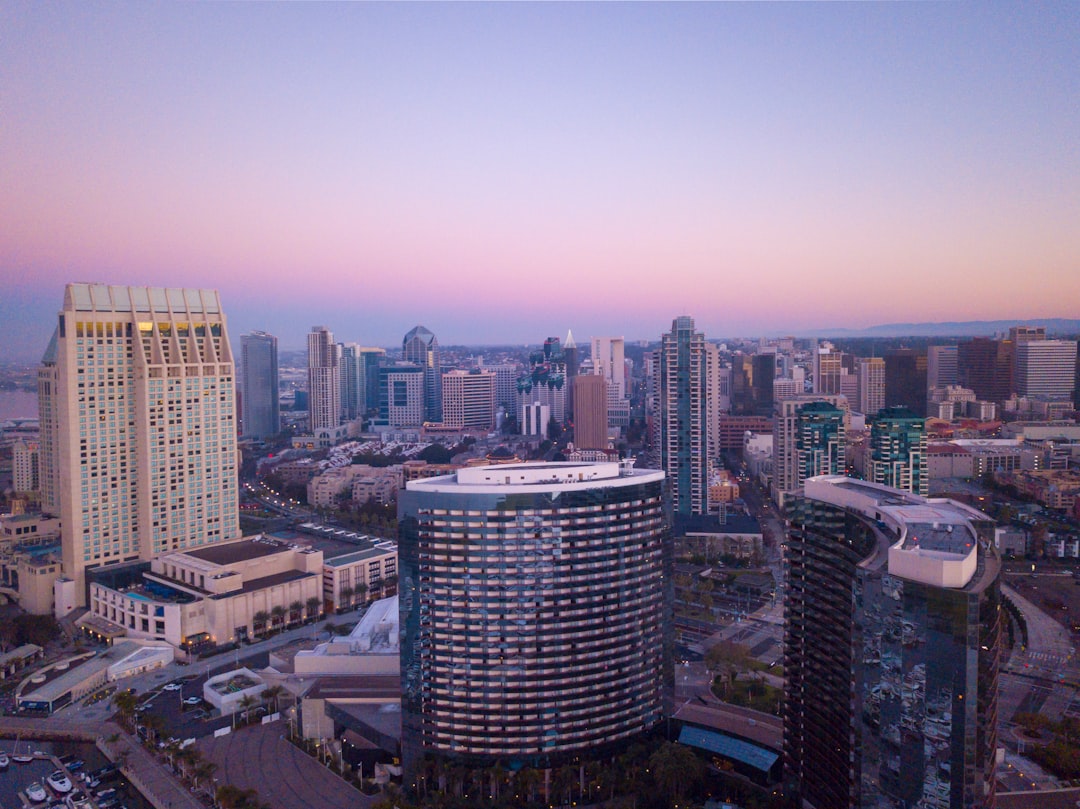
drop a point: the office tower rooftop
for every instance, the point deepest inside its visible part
(420, 347)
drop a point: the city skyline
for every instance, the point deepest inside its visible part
(496, 171)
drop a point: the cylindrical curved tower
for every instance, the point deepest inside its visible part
(531, 607)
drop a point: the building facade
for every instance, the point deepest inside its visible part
(324, 380)
(905, 379)
(891, 649)
(683, 433)
(1046, 368)
(591, 412)
(532, 600)
(870, 371)
(138, 417)
(468, 400)
(259, 378)
(898, 451)
(808, 439)
(420, 347)
(401, 395)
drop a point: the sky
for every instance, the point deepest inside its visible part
(501, 172)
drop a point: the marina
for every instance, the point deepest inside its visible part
(48, 777)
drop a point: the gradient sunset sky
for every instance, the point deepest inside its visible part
(502, 172)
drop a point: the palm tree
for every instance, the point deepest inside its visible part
(126, 702)
(247, 702)
(676, 770)
(361, 591)
(277, 615)
(314, 607)
(259, 620)
(203, 769)
(347, 596)
(296, 611)
(272, 694)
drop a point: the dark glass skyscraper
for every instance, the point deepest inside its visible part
(532, 599)
(259, 366)
(892, 636)
(419, 346)
(905, 379)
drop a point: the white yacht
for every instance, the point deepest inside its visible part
(36, 792)
(59, 781)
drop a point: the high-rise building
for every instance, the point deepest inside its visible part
(1046, 368)
(535, 417)
(25, 467)
(828, 365)
(532, 600)
(717, 397)
(544, 380)
(941, 367)
(898, 451)
(506, 375)
(138, 418)
(351, 377)
(870, 372)
(764, 374)
(986, 367)
(570, 358)
(683, 429)
(590, 412)
(370, 360)
(468, 399)
(420, 347)
(1025, 334)
(259, 378)
(819, 440)
(401, 395)
(324, 380)
(609, 361)
(891, 647)
(905, 379)
(808, 439)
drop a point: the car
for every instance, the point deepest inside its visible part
(193, 700)
(171, 687)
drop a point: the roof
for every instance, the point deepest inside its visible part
(686, 524)
(252, 585)
(729, 747)
(372, 688)
(227, 553)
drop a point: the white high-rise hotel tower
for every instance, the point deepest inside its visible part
(138, 425)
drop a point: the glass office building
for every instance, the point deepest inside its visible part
(892, 639)
(532, 601)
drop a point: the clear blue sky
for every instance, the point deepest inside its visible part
(501, 172)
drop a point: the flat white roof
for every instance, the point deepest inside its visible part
(537, 477)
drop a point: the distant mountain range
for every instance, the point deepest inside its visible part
(969, 328)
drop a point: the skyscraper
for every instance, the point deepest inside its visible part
(892, 632)
(986, 367)
(138, 420)
(905, 379)
(351, 377)
(1046, 368)
(683, 424)
(401, 395)
(808, 439)
(764, 373)
(468, 399)
(941, 367)
(828, 365)
(898, 451)
(259, 377)
(532, 600)
(324, 380)
(591, 412)
(419, 346)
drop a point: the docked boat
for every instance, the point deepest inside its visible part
(36, 792)
(22, 758)
(59, 781)
(5, 762)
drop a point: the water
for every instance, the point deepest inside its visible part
(18, 404)
(19, 776)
